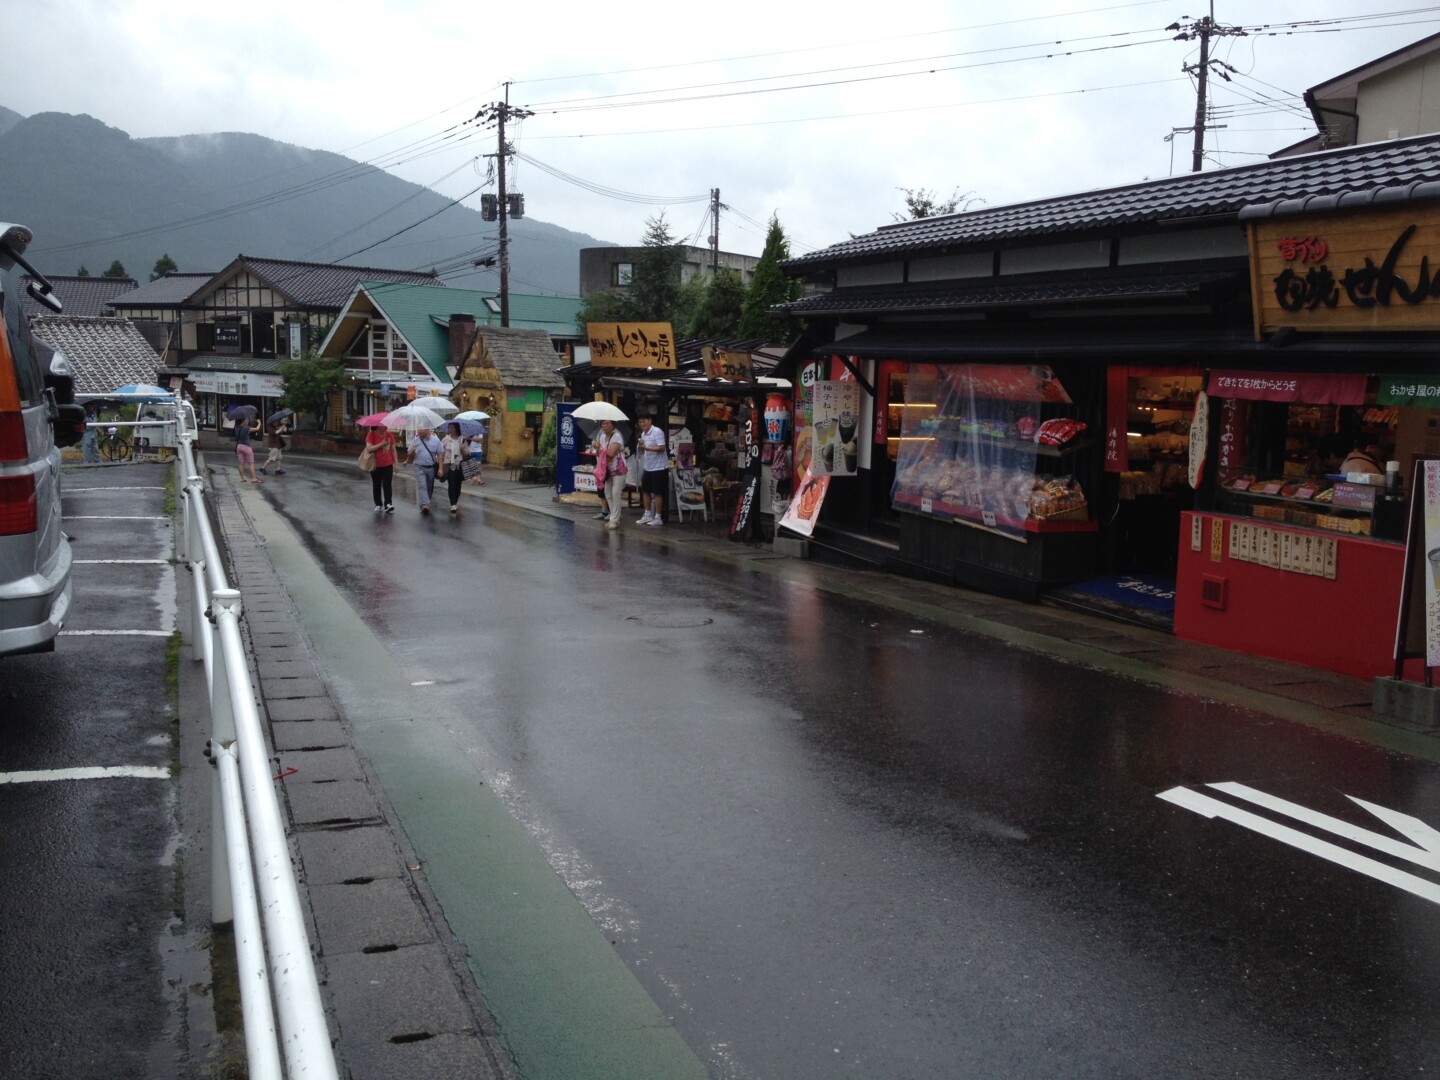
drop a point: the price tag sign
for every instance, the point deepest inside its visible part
(988, 518)
(927, 506)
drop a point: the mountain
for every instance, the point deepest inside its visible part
(92, 194)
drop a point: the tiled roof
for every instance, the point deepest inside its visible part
(217, 362)
(1382, 172)
(103, 352)
(522, 357)
(989, 293)
(169, 291)
(321, 285)
(82, 296)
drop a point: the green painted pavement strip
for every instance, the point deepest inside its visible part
(566, 1005)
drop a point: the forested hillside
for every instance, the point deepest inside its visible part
(92, 194)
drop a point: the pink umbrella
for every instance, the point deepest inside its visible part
(375, 419)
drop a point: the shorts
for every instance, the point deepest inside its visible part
(654, 481)
(246, 453)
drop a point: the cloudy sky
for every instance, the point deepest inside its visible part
(819, 113)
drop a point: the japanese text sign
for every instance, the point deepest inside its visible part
(632, 345)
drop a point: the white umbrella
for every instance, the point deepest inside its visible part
(472, 414)
(413, 417)
(435, 403)
(599, 410)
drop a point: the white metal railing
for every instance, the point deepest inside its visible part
(253, 880)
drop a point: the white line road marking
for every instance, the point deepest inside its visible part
(78, 490)
(97, 772)
(1421, 856)
(122, 562)
(1209, 807)
(116, 633)
(115, 517)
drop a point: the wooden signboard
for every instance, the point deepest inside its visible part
(1358, 270)
(632, 345)
(728, 364)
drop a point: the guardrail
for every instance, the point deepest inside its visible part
(278, 986)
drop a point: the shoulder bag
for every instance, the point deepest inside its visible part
(366, 460)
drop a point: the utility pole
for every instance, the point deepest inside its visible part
(505, 207)
(714, 231)
(1203, 28)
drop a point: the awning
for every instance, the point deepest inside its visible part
(1307, 387)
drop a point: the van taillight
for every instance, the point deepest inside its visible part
(18, 508)
(12, 437)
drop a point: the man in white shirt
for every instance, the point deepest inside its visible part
(655, 472)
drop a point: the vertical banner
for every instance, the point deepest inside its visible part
(1117, 419)
(567, 446)
(835, 451)
(1199, 439)
(1431, 545)
(803, 510)
(747, 507)
(1233, 416)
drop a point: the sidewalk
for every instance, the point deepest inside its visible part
(399, 990)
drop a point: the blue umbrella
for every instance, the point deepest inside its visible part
(141, 392)
(467, 427)
(279, 414)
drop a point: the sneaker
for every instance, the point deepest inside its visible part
(601, 516)
(454, 510)
(654, 522)
(279, 472)
(389, 508)
(378, 508)
(646, 518)
(613, 525)
(264, 470)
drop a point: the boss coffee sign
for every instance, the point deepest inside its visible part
(1362, 271)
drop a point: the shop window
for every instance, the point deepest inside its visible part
(1158, 413)
(985, 445)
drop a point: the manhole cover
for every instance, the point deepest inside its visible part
(669, 621)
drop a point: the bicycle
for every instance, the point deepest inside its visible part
(114, 446)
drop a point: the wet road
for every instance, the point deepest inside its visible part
(836, 841)
(94, 951)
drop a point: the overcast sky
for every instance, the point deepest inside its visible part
(819, 113)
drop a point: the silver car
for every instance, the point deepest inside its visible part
(35, 557)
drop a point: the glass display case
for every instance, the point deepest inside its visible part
(985, 445)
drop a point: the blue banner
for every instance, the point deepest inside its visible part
(567, 446)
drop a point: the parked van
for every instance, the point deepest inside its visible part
(35, 557)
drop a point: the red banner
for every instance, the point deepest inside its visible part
(1117, 416)
(1303, 386)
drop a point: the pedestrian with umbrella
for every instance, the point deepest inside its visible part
(247, 426)
(454, 450)
(424, 450)
(275, 440)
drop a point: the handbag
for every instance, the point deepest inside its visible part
(620, 468)
(366, 460)
(600, 468)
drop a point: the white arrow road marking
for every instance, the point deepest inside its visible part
(98, 772)
(1209, 807)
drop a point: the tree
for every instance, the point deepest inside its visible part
(163, 265)
(82, 272)
(920, 203)
(117, 270)
(720, 308)
(603, 305)
(654, 292)
(310, 381)
(769, 287)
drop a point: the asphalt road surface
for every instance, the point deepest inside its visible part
(97, 957)
(833, 840)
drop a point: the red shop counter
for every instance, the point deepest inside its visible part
(1309, 596)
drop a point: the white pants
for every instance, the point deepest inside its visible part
(614, 495)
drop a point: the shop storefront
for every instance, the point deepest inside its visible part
(1298, 548)
(221, 382)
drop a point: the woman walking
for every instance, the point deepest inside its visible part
(424, 459)
(454, 448)
(613, 447)
(380, 442)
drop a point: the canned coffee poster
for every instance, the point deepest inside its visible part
(835, 449)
